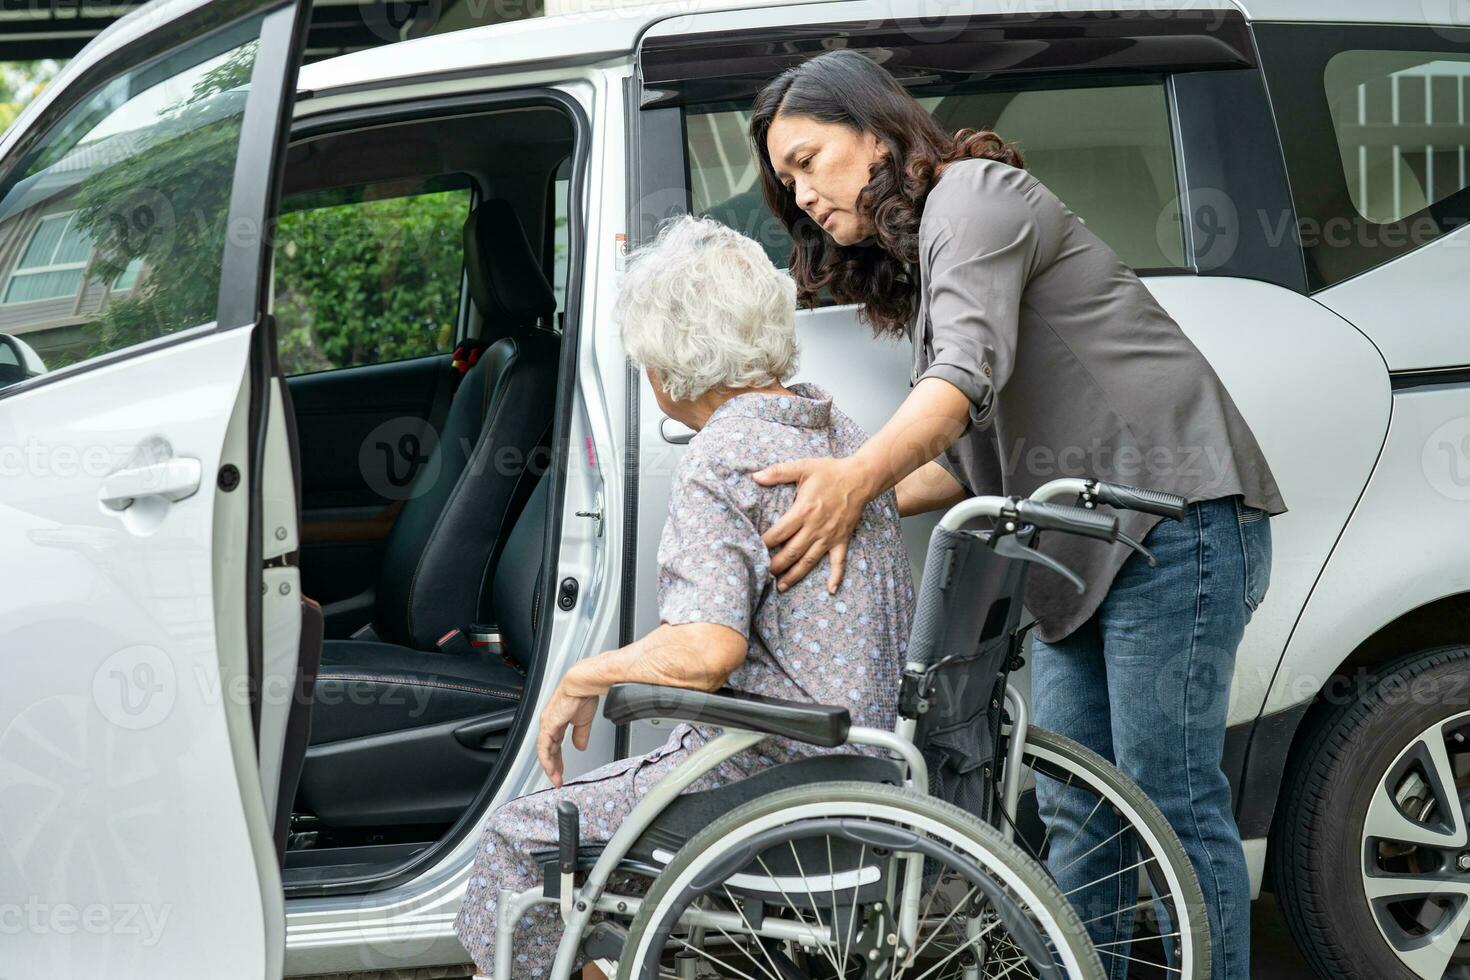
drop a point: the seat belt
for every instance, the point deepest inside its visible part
(465, 355)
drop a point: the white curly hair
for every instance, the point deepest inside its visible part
(704, 307)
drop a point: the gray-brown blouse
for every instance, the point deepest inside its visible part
(1072, 368)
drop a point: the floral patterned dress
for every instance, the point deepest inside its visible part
(804, 644)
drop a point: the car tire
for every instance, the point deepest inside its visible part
(1321, 855)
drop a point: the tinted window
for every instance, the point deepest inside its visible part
(1374, 128)
(134, 179)
(369, 274)
(1106, 150)
(1401, 128)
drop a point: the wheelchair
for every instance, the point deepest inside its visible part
(916, 856)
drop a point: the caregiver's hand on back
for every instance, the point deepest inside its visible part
(831, 493)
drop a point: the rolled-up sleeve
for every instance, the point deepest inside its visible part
(979, 242)
(712, 564)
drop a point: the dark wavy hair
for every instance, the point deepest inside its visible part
(848, 88)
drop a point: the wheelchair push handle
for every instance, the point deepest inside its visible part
(1136, 498)
(1074, 520)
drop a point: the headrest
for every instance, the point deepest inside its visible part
(506, 281)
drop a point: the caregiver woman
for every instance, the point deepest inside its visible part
(1037, 354)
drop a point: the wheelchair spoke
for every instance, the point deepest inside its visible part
(1115, 874)
(815, 911)
(940, 928)
(1054, 812)
(970, 941)
(1134, 959)
(692, 948)
(1103, 950)
(1095, 807)
(852, 912)
(1111, 837)
(1141, 904)
(774, 974)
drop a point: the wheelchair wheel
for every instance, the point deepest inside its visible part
(811, 882)
(1103, 811)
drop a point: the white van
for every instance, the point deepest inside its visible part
(236, 453)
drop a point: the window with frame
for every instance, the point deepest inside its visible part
(1375, 123)
(1104, 148)
(53, 261)
(136, 175)
(371, 273)
(1401, 126)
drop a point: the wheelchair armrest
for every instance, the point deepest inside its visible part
(815, 724)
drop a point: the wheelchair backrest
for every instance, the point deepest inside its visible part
(969, 605)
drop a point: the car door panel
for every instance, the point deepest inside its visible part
(136, 824)
(115, 682)
(364, 433)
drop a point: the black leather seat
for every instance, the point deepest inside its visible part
(495, 444)
(401, 736)
(400, 732)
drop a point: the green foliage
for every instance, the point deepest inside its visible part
(366, 282)
(20, 82)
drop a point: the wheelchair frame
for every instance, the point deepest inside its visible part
(577, 905)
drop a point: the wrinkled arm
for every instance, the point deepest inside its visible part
(700, 656)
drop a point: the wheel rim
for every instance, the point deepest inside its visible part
(1152, 861)
(1416, 852)
(817, 818)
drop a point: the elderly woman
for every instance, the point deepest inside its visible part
(712, 323)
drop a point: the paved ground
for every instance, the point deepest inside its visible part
(1273, 955)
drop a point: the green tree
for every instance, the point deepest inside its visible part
(368, 281)
(20, 82)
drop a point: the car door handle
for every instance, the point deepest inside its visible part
(174, 479)
(676, 432)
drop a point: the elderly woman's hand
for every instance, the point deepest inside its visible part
(830, 497)
(562, 710)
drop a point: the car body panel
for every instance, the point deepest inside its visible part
(1403, 548)
(113, 729)
(1414, 308)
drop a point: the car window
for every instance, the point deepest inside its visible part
(370, 273)
(135, 178)
(1401, 127)
(1375, 127)
(1105, 150)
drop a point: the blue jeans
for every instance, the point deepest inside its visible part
(1145, 683)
